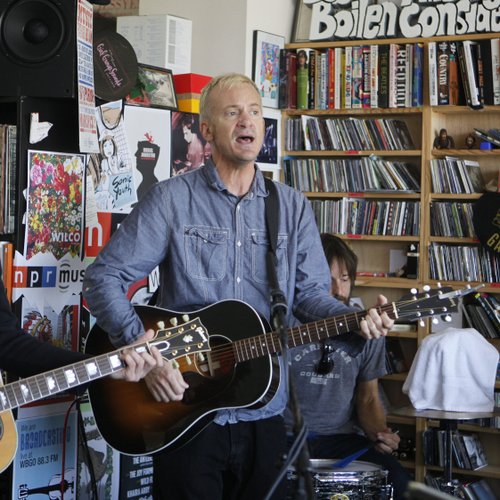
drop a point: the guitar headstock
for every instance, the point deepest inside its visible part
(438, 302)
(189, 338)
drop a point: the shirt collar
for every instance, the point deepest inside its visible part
(258, 187)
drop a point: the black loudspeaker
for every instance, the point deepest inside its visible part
(38, 48)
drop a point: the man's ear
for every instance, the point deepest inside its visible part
(206, 131)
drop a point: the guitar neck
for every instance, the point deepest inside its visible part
(31, 389)
(269, 343)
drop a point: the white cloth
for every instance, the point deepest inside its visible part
(453, 370)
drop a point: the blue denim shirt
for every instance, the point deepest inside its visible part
(210, 245)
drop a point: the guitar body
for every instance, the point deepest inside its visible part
(8, 438)
(132, 422)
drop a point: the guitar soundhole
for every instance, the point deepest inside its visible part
(213, 373)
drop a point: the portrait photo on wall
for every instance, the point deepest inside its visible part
(189, 149)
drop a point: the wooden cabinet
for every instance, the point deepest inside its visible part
(376, 252)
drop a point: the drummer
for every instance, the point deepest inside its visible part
(336, 383)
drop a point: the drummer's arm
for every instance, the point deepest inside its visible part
(371, 417)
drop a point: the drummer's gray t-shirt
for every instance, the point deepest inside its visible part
(327, 402)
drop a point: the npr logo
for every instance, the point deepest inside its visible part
(46, 276)
(35, 277)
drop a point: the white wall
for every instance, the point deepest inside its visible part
(223, 29)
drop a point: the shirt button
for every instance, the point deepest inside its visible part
(238, 280)
(239, 243)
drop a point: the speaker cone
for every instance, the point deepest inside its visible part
(32, 31)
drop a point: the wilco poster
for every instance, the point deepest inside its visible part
(369, 19)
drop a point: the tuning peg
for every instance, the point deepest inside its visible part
(201, 357)
(175, 364)
(447, 318)
(414, 291)
(185, 318)
(435, 321)
(173, 321)
(421, 323)
(439, 284)
(188, 360)
(160, 325)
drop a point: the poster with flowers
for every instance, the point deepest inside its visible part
(55, 197)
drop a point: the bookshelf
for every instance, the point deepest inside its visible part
(374, 251)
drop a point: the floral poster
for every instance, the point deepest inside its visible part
(54, 222)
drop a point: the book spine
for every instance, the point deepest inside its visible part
(302, 80)
(418, 72)
(392, 74)
(383, 76)
(374, 76)
(339, 77)
(495, 62)
(401, 77)
(433, 87)
(453, 81)
(442, 72)
(312, 80)
(357, 76)
(348, 77)
(366, 80)
(331, 78)
(471, 74)
(409, 75)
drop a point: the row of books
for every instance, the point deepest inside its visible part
(347, 134)
(464, 72)
(8, 175)
(470, 490)
(467, 449)
(358, 76)
(456, 175)
(452, 219)
(482, 312)
(367, 217)
(326, 175)
(463, 263)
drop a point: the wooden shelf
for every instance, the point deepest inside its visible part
(353, 152)
(424, 124)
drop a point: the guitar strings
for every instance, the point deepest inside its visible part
(249, 348)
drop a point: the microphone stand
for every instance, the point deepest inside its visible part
(279, 308)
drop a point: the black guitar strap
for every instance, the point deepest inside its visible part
(272, 216)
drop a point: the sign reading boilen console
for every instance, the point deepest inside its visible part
(364, 19)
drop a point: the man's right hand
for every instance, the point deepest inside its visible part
(166, 383)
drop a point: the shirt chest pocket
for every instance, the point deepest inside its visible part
(260, 246)
(206, 252)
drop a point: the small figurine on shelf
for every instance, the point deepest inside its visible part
(443, 140)
(470, 141)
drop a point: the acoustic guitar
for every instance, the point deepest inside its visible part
(239, 370)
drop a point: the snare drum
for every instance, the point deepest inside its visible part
(358, 480)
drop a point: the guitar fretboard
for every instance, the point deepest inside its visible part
(55, 381)
(269, 343)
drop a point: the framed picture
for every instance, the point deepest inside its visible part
(266, 66)
(154, 88)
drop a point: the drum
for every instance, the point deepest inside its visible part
(358, 480)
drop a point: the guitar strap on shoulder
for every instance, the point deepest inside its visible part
(272, 215)
(278, 300)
